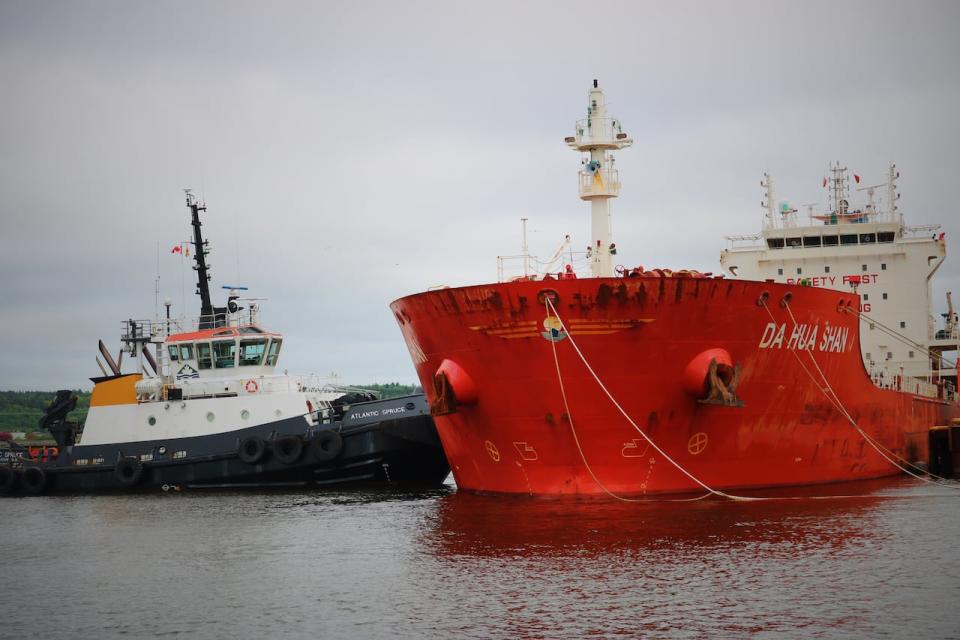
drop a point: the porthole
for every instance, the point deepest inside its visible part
(210, 416)
(245, 414)
(151, 421)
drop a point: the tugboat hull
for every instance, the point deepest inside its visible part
(291, 452)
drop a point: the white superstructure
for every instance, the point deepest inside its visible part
(868, 249)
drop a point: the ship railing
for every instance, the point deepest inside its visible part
(140, 329)
(599, 131)
(794, 219)
(605, 182)
(906, 384)
(530, 267)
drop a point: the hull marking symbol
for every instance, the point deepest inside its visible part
(492, 451)
(632, 449)
(553, 329)
(697, 443)
(526, 451)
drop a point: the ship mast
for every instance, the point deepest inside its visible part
(598, 135)
(839, 189)
(200, 256)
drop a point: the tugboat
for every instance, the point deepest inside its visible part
(633, 381)
(206, 407)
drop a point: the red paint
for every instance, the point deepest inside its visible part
(695, 375)
(641, 335)
(463, 387)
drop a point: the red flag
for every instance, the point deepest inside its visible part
(857, 178)
(177, 249)
(824, 182)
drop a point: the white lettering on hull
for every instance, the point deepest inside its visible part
(803, 337)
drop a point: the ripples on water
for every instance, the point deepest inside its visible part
(367, 564)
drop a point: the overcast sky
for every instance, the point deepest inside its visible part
(354, 152)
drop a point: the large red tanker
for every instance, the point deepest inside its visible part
(520, 411)
(649, 382)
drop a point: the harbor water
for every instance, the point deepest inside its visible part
(869, 560)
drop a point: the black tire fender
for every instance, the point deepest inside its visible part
(8, 480)
(252, 450)
(326, 445)
(129, 471)
(288, 449)
(33, 480)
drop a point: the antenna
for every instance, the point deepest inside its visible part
(767, 183)
(208, 313)
(525, 249)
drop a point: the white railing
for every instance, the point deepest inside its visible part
(518, 267)
(601, 131)
(606, 182)
(165, 327)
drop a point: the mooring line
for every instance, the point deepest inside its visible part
(710, 490)
(831, 395)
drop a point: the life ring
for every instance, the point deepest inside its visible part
(251, 386)
(288, 449)
(8, 480)
(252, 450)
(326, 445)
(128, 471)
(33, 480)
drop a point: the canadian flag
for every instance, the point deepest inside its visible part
(177, 249)
(856, 178)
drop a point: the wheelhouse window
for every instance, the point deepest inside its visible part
(775, 243)
(830, 241)
(251, 352)
(867, 238)
(204, 356)
(848, 238)
(811, 241)
(794, 242)
(225, 354)
(174, 351)
(274, 353)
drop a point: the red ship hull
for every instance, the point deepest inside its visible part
(507, 425)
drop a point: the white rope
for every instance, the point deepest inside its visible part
(576, 438)
(551, 308)
(831, 395)
(896, 335)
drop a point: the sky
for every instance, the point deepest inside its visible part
(353, 153)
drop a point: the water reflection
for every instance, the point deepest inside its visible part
(477, 525)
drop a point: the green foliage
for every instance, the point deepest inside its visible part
(390, 389)
(21, 410)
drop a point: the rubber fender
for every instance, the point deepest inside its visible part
(8, 480)
(252, 450)
(326, 445)
(460, 381)
(695, 374)
(128, 471)
(33, 480)
(288, 449)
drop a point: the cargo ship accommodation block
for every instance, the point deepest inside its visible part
(871, 251)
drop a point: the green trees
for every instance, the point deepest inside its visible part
(21, 410)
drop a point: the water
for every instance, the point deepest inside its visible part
(883, 563)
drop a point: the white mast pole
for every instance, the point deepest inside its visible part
(599, 179)
(526, 250)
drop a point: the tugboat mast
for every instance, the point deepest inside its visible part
(207, 312)
(597, 135)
